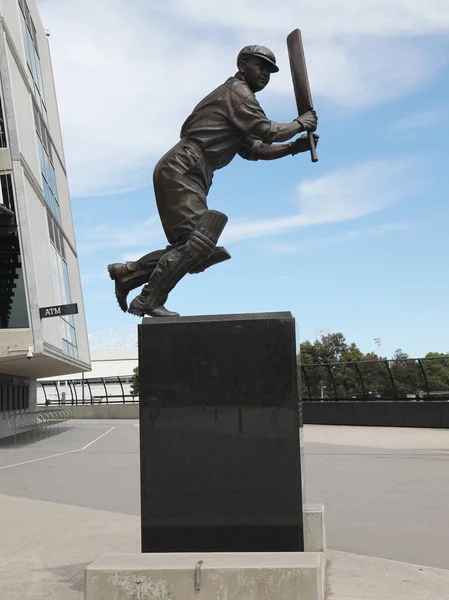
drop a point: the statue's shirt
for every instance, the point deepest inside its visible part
(229, 121)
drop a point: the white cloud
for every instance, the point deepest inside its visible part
(124, 85)
(418, 120)
(128, 73)
(327, 17)
(342, 195)
(142, 233)
(346, 236)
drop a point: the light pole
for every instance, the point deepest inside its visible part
(378, 343)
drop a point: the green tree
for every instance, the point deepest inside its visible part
(436, 369)
(337, 377)
(135, 382)
(335, 372)
(407, 374)
(329, 349)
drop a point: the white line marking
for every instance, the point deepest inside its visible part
(82, 426)
(96, 439)
(26, 462)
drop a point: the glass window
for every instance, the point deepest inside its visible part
(30, 55)
(45, 188)
(34, 34)
(54, 206)
(28, 17)
(25, 40)
(29, 35)
(53, 181)
(48, 181)
(49, 185)
(46, 167)
(44, 112)
(57, 242)
(50, 227)
(41, 155)
(62, 288)
(67, 286)
(37, 120)
(41, 83)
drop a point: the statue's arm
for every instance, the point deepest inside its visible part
(252, 149)
(306, 122)
(248, 117)
(273, 151)
(285, 131)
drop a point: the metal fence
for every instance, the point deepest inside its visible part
(101, 390)
(405, 379)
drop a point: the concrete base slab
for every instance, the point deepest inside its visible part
(231, 575)
(224, 576)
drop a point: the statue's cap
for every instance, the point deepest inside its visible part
(261, 52)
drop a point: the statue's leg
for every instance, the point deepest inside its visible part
(176, 263)
(220, 254)
(131, 275)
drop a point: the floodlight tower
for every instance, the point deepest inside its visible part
(322, 332)
(379, 343)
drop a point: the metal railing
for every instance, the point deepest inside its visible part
(402, 379)
(101, 390)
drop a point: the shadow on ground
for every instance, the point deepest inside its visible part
(71, 576)
(27, 438)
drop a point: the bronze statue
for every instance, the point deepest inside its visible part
(227, 122)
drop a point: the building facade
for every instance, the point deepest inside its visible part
(38, 257)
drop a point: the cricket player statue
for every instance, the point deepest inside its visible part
(227, 122)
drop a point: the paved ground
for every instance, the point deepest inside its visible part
(389, 500)
(355, 577)
(91, 464)
(69, 498)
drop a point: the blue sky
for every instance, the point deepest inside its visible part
(355, 243)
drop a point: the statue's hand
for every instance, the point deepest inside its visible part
(308, 121)
(302, 144)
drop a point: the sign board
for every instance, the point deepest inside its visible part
(58, 311)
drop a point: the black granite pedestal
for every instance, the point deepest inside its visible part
(219, 434)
